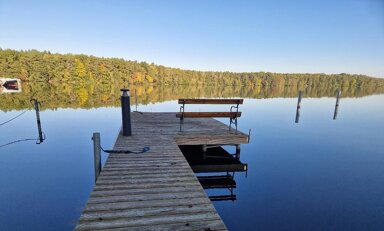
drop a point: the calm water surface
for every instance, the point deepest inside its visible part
(318, 174)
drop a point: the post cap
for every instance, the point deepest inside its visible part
(125, 91)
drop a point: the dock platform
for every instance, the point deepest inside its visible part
(156, 190)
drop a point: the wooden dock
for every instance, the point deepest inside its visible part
(156, 190)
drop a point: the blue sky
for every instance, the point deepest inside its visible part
(277, 36)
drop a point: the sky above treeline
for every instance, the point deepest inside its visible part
(343, 36)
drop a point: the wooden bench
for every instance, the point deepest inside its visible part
(232, 114)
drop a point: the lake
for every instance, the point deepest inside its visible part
(317, 174)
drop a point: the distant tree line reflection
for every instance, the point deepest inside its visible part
(101, 95)
(82, 81)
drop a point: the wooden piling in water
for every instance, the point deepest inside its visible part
(338, 95)
(136, 99)
(96, 154)
(298, 107)
(40, 132)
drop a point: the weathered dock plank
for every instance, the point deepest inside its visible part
(156, 190)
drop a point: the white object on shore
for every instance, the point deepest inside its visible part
(10, 85)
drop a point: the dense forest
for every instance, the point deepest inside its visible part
(58, 69)
(73, 81)
(100, 96)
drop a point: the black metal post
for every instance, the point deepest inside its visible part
(298, 107)
(337, 104)
(36, 105)
(126, 112)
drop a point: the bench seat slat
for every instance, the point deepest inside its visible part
(210, 101)
(208, 114)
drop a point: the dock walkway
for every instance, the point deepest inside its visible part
(156, 190)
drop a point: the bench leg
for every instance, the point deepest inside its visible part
(232, 121)
(236, 124)
(182, 108)
(181, 123)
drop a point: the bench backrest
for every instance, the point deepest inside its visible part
(210, 101)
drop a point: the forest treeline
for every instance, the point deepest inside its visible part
(80, 70)
(93, 96)
(80, 81)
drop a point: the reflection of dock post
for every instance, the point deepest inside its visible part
(36, 105)
(96, 154)
(237, 151)
(298, 107)
(204, 147)
(338, 95)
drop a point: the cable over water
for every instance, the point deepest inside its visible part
(1, 124)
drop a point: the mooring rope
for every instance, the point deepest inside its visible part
(17, 141)
(22, 140)
(14, 117)
(145, 149)
(1, 124)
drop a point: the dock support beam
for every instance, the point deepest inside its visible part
(204, 146)
(96, 154)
